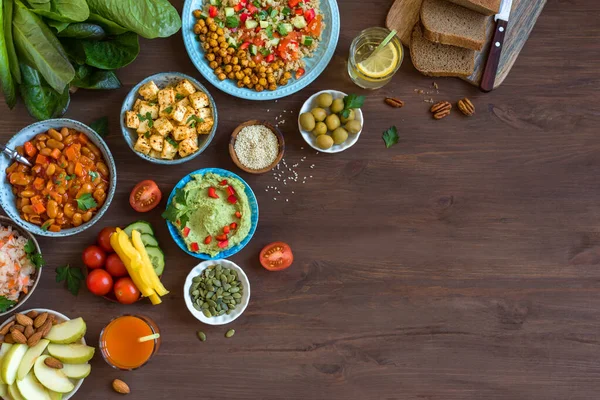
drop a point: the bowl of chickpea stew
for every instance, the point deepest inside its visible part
(70, 184)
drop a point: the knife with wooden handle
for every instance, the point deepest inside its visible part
(491, 66)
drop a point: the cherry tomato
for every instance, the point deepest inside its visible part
(99, 282)
(104, 239)
(145, 196)
(126, 291)
(276, 256)
(115, 266)
(94, 257)
(315, 26)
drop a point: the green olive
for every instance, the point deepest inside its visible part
(307, 121)
(337, 106)
(324, 142)
(353, 126)
(324, 100)
(319, 114)
(340, 135)
(320, 129)
(351, 116)
(333, 122)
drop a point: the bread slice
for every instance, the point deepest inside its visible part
(448, 23)
(435, 59)
(485, 7)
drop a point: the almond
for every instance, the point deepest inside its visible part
(5, 329)
(29, 331)
(9, 339)
(18, 336)
(120, 387)
(53, 363)
(52, 318)
(34, 339)
(24, 320)
(45, 329)
(40, 320)
(17, 327)
(32, 314)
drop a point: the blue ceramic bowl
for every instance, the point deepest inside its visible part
(163, 80)
(315, 65)
(253, 219)
(7, 198)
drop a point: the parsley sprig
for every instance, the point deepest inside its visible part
(86, 202)
(178, 210)
(72, 275)
(390, 137)
(352, 101)
(196, 119)
(147, 117)
(5, 303)
(33, 255)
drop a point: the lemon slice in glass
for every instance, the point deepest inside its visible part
(382, 64)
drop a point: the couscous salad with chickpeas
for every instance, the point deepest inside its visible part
(259, 43)
(169, 120)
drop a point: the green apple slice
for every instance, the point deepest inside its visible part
(67, 332)
(3, 390)
(77, 371)
(14, 393)
(29, 359)
(11, 362)
(71, 353)
(3, 350)
(52, 378)
(55, 395)
(31, 389)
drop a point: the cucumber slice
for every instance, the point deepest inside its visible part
(289, 27)
(299, 22)
(253, 49)
(307, 40)
(141, 227)
(264, 24)
(274, 41)
(157, 258)
(229, 12)
(251, 24)
(231, 41)
(149, 240)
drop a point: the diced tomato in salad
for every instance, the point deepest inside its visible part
(294, 3)
(315, 26)
(309, 15)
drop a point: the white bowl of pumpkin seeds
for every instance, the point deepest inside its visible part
(216, 292)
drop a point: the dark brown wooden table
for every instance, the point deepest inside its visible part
(463, 263)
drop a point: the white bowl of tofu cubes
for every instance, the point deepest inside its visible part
(169, 118)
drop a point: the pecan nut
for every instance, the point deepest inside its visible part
(393, 102)
(441, 110)
(466, 107)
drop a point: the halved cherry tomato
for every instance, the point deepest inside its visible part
(126, 292)
(104, 239)
(270, 58)
(212, 11)
(99, 282)
(115, 267)
(276, 256)
(299, 72)
(309, 15)
(94, 257)
(315, 26)
(145, 196)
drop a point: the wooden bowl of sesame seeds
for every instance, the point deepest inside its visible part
(256, 146)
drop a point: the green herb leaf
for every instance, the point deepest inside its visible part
(178, 209)
(69, 177)
(286, 11)
(282, 30)
(46, 225)
(86, 202)
(194, 118)
(169, 110)
(73, 277)
(269, 32)
(6, 304)
(179, 96)
(390, 137)
(353, 101)
(345, 113)
(33, 255)
(232, 22)
(100, 126)
(172, 141)
(93, 175)
(148, 118)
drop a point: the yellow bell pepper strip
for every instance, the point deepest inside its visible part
(136, 239)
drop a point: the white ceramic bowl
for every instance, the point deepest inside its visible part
(312, 139)
(223, 319)
(61, 318)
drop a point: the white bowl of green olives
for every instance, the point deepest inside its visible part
(326, 123)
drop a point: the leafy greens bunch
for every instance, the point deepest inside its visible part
(49, 46)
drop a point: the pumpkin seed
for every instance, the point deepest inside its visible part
(221, 312)
(237, 296)
(234, 290)
(216, 291)
(205, 306)
(207, 313)
(230, 333)
(196, 293)
(216, 282)
(212, 310)
(201, 336)
(228, 312)
(197, 307)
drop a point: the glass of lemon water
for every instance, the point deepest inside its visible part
(374, 72)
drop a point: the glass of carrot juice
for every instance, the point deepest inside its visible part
(120, 341)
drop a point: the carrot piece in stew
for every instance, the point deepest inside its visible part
(55, 154)
(79, 169)
(41, 159)
(38, 183)
(30, 150)
(72, 152)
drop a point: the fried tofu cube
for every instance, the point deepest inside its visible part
(189, 113)
(185, 102)
(169, 151)
(165, 111)
(183, 132)
(146, 108)
(205, 127)
(188, 146)
(142, 145)
(144, 127)
(132, 120)
(185, 88)
(156, 142)
(149, 91)
(155, 154)
(179, 113)
(204, 113)
(166, 96)
(163, 126)
(199, 100)
(137, 104)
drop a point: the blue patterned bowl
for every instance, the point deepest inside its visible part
(315, 65)
(163, 80)
(253, 219)
(7, 198)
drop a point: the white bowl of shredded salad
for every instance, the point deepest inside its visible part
(20, 265)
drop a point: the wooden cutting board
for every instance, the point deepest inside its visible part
(404, 14)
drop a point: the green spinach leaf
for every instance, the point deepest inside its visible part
(113, 53)
(62, 10)
(38, 46)
(87, 77)
(74, 50)
(83, 30)
(100, 126)
(58, 25)
(7, 83)
(111, 28)
(148, 18)
(41, 100)
(13, 61)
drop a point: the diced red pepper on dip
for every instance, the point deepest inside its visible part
(194, 246)
(212, 192)
(223, 244)
(186, 231)
(232, 199)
